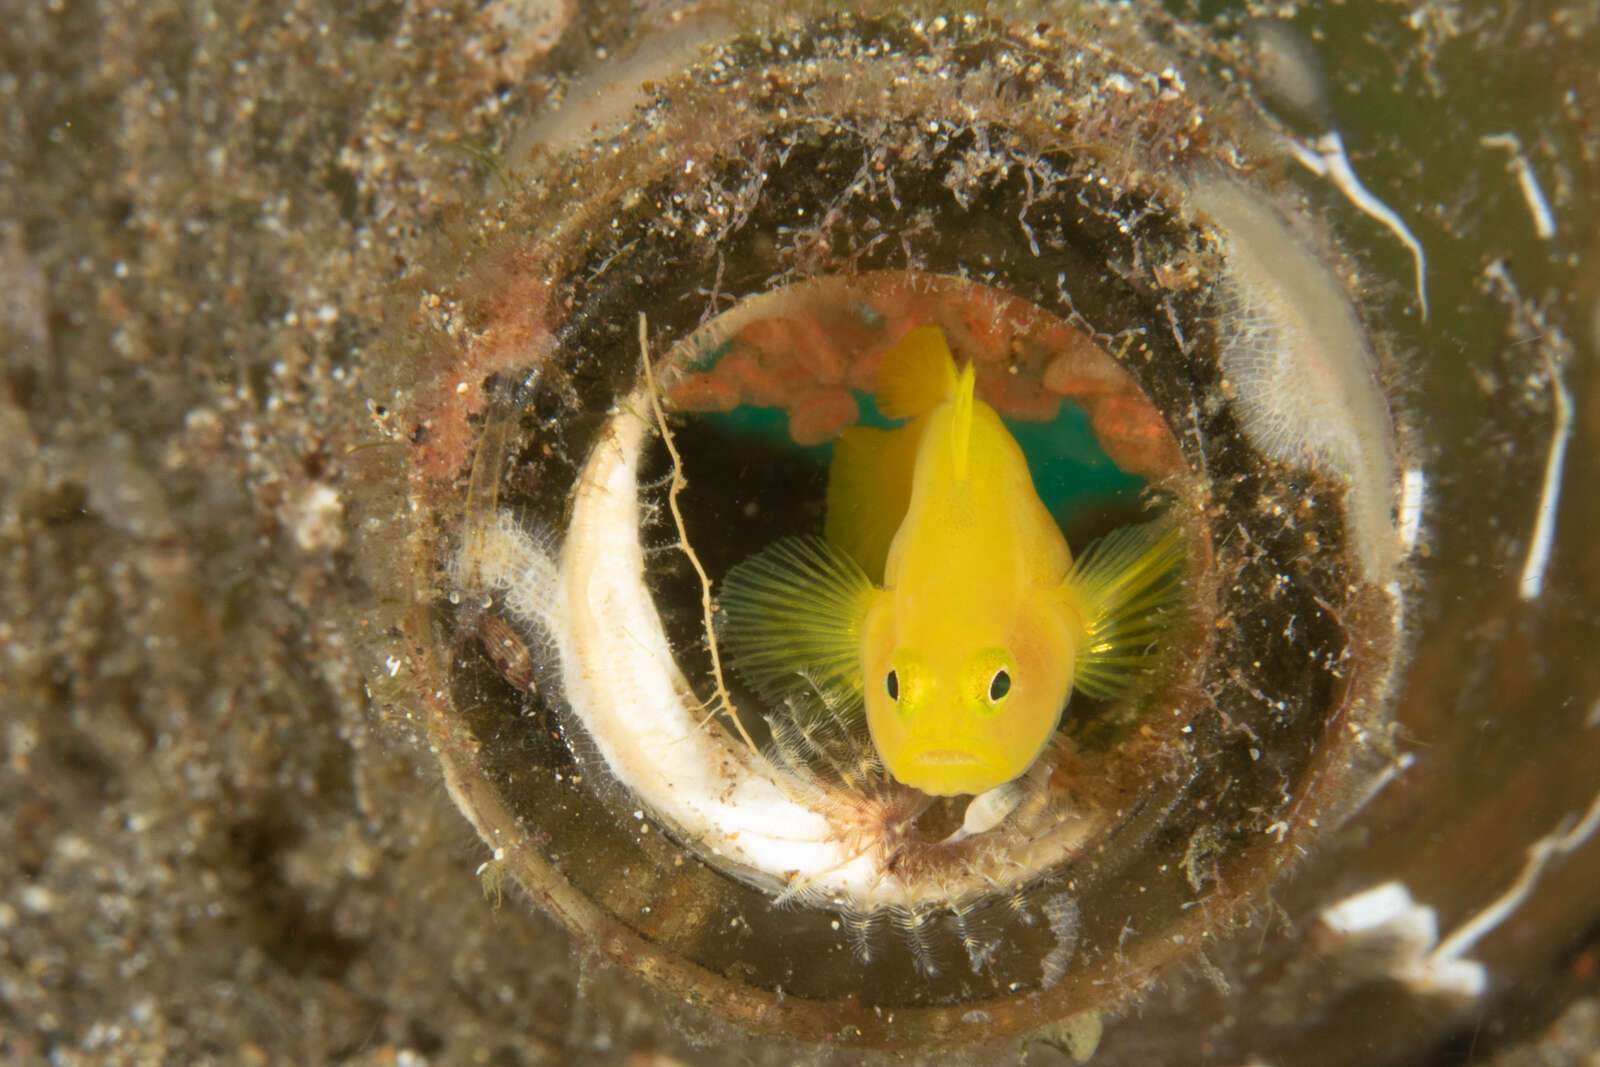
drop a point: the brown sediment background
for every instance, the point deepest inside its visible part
(212, 847)
(216, 847)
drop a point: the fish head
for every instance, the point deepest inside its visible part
(968, 706)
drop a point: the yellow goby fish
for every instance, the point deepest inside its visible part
(943, 595)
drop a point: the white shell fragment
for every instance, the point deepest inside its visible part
(1305, 387)
(1388, 914)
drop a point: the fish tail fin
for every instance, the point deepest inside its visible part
(869, 490)
(1125, 588)
(792, 616)
(917, 375)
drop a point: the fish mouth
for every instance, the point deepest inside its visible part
(948, 771)
(946, 757)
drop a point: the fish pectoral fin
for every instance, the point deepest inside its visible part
(1125, 588)
(869, 490)
(792, 616)
(917, 375)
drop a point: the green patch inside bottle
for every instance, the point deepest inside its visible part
(1071, 472)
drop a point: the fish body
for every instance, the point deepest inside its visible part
(944, 600)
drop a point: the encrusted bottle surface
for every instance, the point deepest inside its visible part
(1106, 245)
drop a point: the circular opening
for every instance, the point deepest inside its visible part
(578, 715)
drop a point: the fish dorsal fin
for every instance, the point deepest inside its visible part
(869, 490)
(792, 616)
(961, 427)
(1125, 589)
(917, 375)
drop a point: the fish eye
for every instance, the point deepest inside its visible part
(999, 685)
(891, 684)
